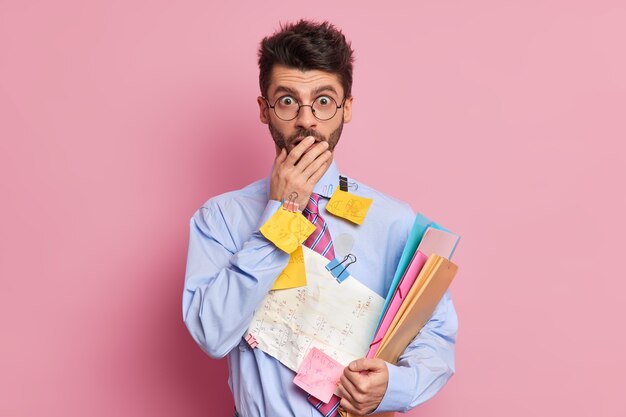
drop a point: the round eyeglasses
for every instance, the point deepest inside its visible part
(287, 108)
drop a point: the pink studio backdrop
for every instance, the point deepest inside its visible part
(502, 120)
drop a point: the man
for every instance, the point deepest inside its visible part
(305, 79)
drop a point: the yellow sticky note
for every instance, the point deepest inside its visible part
(349, 206)
(287, 229)
(294, 274)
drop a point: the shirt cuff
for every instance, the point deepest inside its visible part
(400, 389)
(270, 209)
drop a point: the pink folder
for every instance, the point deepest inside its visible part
(409, 277)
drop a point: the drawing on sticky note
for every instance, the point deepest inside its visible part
(349, 206)
(287, 230)
(319, 375)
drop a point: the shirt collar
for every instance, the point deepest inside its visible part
(329, 182)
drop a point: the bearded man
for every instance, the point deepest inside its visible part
(305, 76)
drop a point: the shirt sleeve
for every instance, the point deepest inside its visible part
(426, 364)
(224, 284)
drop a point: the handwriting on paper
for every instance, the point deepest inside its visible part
(319, 375)
(294, 274)
(337, 318)
(287, 230)
(349, 206)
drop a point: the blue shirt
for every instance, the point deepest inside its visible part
(231, 267)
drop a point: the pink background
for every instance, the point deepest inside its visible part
(505, 121)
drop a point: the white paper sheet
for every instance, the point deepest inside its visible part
(338, 319)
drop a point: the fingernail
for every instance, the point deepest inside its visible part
(310, 139)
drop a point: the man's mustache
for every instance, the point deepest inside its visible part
(303, 133)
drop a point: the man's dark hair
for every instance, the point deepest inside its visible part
(307, 45)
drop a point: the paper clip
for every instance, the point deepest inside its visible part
(341, 273)
(290, 204)
(343, 183)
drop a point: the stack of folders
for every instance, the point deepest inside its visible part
(412, 306)
(423, 276)
(418, 287)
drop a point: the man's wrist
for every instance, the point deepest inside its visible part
(399, 391)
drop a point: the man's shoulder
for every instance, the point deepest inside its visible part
(245, 201)
(256, 191)
(381, 200)
(231, 217)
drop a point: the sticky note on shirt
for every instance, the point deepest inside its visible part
(319, 375)
(349, 206)
(294, 274)
(287, 230)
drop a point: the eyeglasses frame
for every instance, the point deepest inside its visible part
(304, 105)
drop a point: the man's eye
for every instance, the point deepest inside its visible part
(324, 101)
(287, 101)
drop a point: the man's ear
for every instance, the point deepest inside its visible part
(264, 113)
(347, 110)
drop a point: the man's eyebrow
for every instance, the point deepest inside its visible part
(325, 88)
(315, 92)
(283, 89)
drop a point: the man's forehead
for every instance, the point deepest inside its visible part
(303, 82)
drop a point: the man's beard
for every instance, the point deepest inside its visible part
(281, 143)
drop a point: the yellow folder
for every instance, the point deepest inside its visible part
(418, 307)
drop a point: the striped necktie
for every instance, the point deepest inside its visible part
(321, 242)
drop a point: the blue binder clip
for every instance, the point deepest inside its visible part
(338, 269)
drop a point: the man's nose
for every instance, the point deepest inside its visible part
(305, 118)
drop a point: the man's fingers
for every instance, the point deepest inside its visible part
(299, 170)
(367, 364)
(361, 371)
(311, 155)
(344, 390)
(317, 175)
(281, 156)
(318, 164)
(347, 405)
(353, 399)
(347, 385)
(356, 381)
(297, 152)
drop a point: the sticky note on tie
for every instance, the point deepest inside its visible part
(294, 274)
(287, 230)
(319, 375)
(349, 206)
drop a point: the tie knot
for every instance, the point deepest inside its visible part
(312, 205)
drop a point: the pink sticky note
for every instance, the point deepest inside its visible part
(319, 375)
